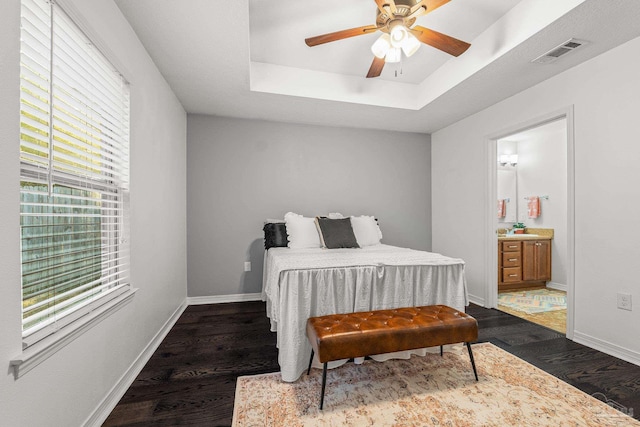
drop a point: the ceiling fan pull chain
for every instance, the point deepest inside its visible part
(399, 65)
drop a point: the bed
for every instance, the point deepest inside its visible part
(299, 283)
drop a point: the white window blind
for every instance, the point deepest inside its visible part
(74, 157)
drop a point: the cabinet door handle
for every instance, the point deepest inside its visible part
(513, 259)
(513, 275)
(512, 246)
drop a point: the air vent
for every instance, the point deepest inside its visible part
(559, 51)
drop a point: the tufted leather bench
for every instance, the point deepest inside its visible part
(350, 335)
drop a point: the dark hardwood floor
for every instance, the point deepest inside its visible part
(190, 379)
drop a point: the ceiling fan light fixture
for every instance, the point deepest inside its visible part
(410, 45)
(381, 46)
(398, 35)
(393, 55)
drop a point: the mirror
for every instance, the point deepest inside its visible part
(508, 193)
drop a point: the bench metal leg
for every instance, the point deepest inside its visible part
(473, 363)
(310, 362)
(440, 351)
(324, 382)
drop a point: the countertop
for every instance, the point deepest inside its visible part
(524, 237)
(529, 234)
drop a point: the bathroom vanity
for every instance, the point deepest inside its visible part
(524, 260)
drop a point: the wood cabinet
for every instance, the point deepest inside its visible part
(510, 262)
(536, 263)
(523, 263)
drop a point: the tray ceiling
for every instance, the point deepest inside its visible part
(247, 58)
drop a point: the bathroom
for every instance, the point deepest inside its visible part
(532, 191)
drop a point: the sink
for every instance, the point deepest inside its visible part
(518, 235)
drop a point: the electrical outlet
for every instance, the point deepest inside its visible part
(624, 301)
(247, 266)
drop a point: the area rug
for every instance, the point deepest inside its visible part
(423, 391)
(534, 301)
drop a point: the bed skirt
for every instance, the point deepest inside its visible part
(316, 292)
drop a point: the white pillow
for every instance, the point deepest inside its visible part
(301, 231)
(366, 230)
(335, 215)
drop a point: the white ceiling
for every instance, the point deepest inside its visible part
(247, 58)
(278, 38)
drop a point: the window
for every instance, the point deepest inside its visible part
(74, 172)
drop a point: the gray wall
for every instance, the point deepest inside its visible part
(241, 172)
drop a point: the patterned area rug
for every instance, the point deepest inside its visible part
(423, 391)
(534, 301)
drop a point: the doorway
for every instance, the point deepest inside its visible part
(531, 177)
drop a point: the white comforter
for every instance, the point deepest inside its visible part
(300, 283)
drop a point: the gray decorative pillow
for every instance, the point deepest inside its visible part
(336, 233)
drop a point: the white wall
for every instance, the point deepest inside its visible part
(542, 170)
(604, 94)
(65, 389)
(241, 172)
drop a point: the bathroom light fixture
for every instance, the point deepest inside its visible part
(511, 159)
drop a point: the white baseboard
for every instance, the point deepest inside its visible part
(217, 299)
(100, 414)
(607, 347)
(558, 286)
(476, 300)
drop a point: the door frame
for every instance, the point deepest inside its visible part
(491, 220)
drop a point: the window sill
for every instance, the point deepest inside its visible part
(42, 350)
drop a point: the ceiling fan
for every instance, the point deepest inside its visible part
(395, 18)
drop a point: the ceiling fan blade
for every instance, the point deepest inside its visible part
(376, 67)
(417, 10)
(445, 43)
(423, 7)
(339, 35)
(388, 3)
(429, 5)
(392, 6)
